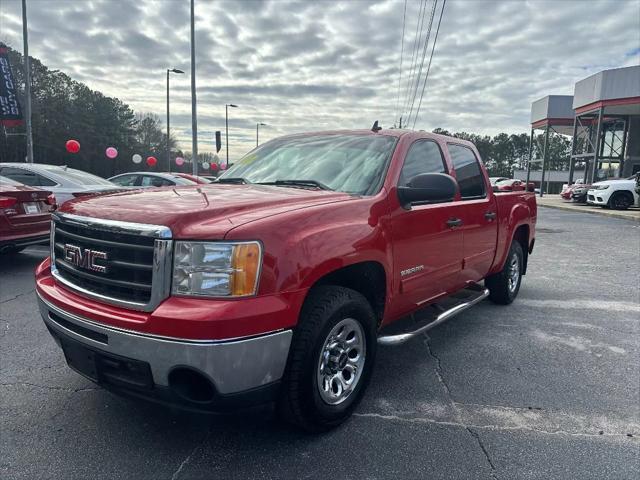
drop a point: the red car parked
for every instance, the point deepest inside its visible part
(25, 215)
(512, 185)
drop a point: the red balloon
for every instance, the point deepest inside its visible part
(73, 146)
(214, 166)
(151, 161)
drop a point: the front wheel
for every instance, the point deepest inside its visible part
(505, 285)
(621, 200)
(330, 361)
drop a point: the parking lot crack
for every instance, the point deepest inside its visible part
(187, 460)
(497, 428)
(484, 450)
(438, 369)
(49, 387)
(18, 296)
(455, 405)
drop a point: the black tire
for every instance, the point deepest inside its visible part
(621, 200)
(501, 289)
(301, 402)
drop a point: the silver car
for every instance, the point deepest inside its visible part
(149, 179)
(65, 183)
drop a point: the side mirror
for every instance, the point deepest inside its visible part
(428, 188)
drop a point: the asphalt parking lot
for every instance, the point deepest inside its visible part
(545, 388)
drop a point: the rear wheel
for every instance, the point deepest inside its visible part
(330, 361)
(505, 285)
(621, 200)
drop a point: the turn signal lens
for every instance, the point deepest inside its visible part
(245, 264)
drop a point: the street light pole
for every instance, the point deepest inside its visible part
(226, 127)
(174, 70)
(194, 120)
(258, 125)
(27, 83)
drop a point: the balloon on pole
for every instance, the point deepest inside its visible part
(205, 165)
(73, 146)
(179, 161)
(151, 161)
(136, 158)
(214, 166)
(111, 152)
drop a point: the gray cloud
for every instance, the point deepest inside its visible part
(305, 65)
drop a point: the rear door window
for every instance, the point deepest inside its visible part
(125, 180)
(468, 172)
(26, 177)
(151, 181)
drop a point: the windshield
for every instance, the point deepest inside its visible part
(347, 163)
(78, 176)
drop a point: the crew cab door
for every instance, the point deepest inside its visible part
(427, 251)
(478, 212)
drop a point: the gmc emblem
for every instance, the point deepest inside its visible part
(84, 257)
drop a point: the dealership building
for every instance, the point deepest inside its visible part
(602, 120)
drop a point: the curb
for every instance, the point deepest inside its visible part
(601, 212)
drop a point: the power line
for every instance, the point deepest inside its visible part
(404, 16)
(424, 55)
(433, 47)
(414, 55)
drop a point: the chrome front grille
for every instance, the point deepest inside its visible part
(122, 263)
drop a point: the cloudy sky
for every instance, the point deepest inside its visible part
(310, 65)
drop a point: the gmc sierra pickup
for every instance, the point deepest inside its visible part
(279, 281)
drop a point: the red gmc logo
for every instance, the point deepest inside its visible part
(84, 257)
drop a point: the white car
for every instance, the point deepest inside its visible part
(149, 179)
(64, 182)
(617, 194)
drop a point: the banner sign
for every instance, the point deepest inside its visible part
(10, 111)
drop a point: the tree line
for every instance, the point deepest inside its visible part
(64, 109)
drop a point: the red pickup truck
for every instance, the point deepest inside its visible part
(279, 281)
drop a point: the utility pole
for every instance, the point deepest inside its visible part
(168, 129)
(194, 120)
(173, 70)
(27, 83)
(226, 126)
(258, 125)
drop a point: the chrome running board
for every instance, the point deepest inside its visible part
(425, 319)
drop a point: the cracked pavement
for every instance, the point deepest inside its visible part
(545, 388)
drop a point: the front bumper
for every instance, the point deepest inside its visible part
(598, 197)
(233, 367)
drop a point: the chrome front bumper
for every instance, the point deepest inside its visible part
(232, 366)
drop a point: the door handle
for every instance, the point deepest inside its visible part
(490, 216)
(454, 222)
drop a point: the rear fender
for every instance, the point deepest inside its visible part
(520, 215)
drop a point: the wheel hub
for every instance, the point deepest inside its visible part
(341, 361)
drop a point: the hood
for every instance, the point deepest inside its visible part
(613, 182)
(200, 211)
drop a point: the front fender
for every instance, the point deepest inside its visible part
(302, 246)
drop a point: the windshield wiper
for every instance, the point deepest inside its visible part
(300, 183)
(233, 180)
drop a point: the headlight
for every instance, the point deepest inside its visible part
(602, 187)
(216, 269)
